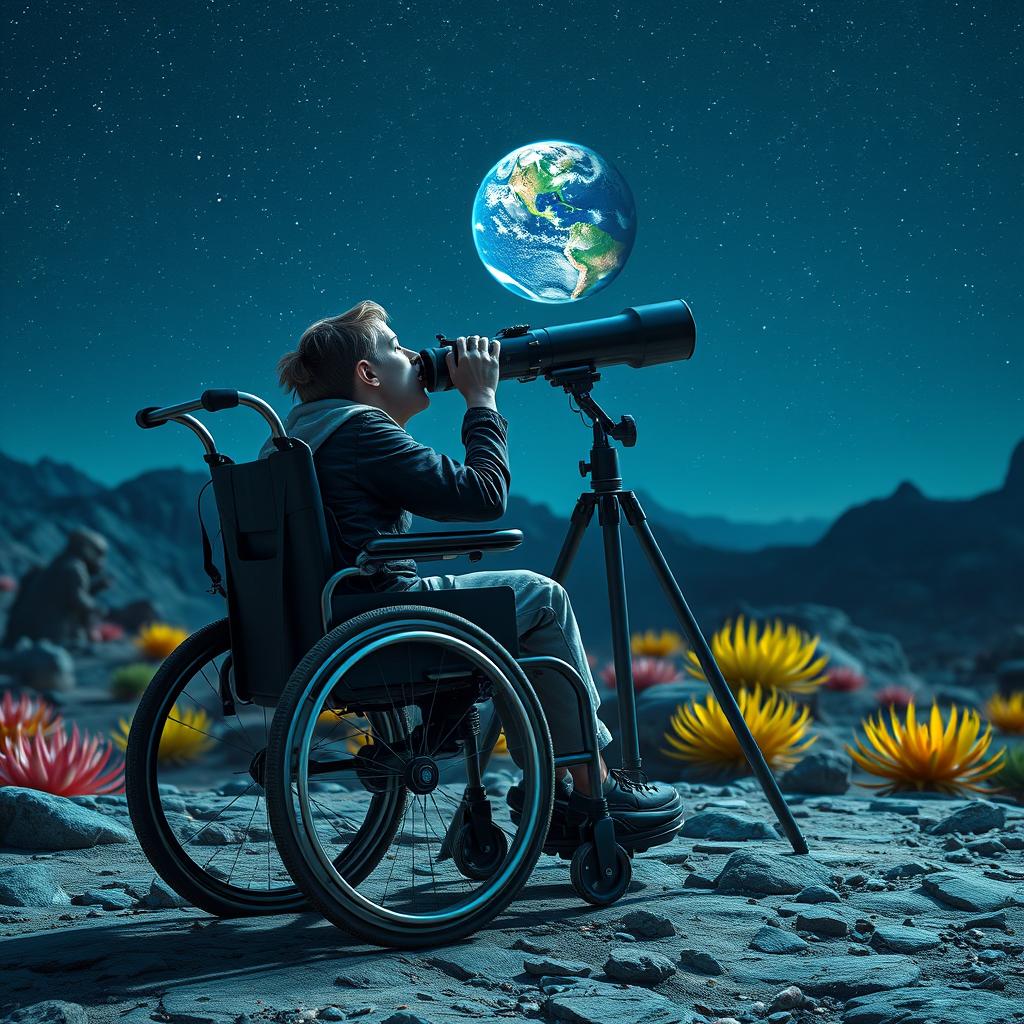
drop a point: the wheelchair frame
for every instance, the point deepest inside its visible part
(335, 608)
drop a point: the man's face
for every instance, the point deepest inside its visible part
(393, 382)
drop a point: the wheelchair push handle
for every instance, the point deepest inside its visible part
(212, 400)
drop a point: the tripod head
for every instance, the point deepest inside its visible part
(578, 381)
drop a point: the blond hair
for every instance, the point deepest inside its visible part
(324, 363)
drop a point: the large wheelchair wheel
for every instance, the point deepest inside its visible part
(194, 785)
(429, 668)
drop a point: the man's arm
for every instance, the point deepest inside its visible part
(401, 472)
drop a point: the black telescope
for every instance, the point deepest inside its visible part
(660, 332)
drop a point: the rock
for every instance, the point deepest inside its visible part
(39, 665)
(696, 881)
(842, 976)
(702, 963)
(932, 1005)
(997, 921)
(788, 999)
(986, 848)
(968, 892)
(215, 834)
(136, 614)
(900, 939)
(32, 820)
(161, 896)
(888, 806)
(108, 899)
(52, 1011)
(30, 885)
(540, 966)
(596, 1002)
(55, 602)
(819, 771)
(971, 819)
(401, 1017)
(726, 827)
(767, 872)
(817, 894)
(646, 925)
(900, 901)
(822, 922)
(527, 946)
(777, 940)
(908, 870)
(637, 966)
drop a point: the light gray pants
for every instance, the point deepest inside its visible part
(547, 625)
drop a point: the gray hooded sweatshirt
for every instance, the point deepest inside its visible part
(314, 422)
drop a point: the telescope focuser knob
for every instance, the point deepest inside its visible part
(584, 467)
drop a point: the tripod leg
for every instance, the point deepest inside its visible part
(582, 513)
(608, 516)
(637, 519)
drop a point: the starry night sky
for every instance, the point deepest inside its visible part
(835, 188)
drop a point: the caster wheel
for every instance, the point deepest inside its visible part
(476, 863)
(590, 885)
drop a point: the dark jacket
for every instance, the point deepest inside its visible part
(374, 476)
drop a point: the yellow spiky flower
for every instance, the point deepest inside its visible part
(1007, 713)
(779, 658)
(360, 734)
(156, 640)
(701, 734)
(501, 746)
(944, 757)
(186, 735)
(657, 645)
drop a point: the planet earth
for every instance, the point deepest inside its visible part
(554, 222)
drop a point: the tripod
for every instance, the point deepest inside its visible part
(608, 497)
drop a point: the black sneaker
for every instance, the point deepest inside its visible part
(643, 811)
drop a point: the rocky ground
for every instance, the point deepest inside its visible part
(907, 910)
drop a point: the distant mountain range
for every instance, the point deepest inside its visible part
(720, 532)
(936, 573)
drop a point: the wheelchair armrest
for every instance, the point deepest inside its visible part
(426, 547)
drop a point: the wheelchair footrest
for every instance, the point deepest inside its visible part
(562, 838)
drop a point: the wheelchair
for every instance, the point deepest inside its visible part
(355, 727)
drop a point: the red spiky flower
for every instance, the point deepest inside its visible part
(898, 696)
(59, 765)
(647, 671)
(844, 679)
(28, 715)
(105, 632)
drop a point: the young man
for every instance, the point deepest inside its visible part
(358, 388)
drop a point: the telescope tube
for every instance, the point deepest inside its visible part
(660, 332)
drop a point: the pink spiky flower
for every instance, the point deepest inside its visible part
(894, 696)
(647, 671)
(28, 715)
(59, 765)
(844, 679)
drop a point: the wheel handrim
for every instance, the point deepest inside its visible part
(318, 690)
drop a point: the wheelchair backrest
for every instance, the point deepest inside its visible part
(277, 558)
